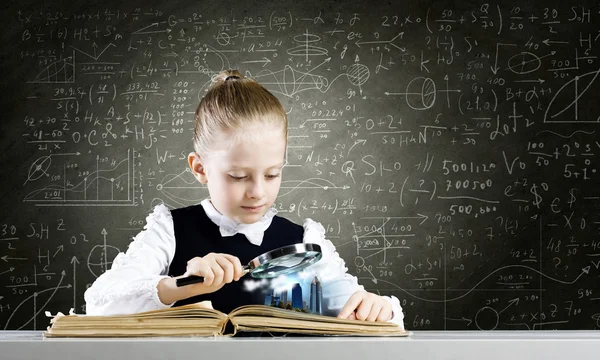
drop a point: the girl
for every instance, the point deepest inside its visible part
(240, 139)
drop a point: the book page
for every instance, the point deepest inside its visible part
(274, 319)
(198, 319)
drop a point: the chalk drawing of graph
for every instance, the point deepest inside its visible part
(34, 304)
(575, 101)
(182, 189)
(108, 181)
(289, 186)
(61, 71)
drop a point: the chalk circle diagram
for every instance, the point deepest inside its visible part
(97, 261)
(574, 101)
(487, 318)
(39, 168)
(359, 261)
(358, 74)
(524, 63)
(420, 93)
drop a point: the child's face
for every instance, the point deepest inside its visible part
(243, 178)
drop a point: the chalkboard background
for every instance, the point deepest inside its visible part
(450, 149)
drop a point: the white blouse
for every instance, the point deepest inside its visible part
(130, 286)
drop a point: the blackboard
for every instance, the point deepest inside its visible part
(449, 149)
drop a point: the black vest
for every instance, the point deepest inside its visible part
(197, 235)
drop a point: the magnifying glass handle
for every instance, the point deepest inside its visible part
(189, 280)
(194, 279)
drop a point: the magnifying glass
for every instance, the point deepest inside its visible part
(280, 261)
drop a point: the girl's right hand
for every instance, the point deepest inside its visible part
(217, 270)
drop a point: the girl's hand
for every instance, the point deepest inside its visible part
(217, 270)
(363, 305)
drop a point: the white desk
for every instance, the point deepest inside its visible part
(457, 345)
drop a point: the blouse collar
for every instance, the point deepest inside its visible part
(254, 232)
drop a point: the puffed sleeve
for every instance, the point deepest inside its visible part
(337, 284)
(130, 285)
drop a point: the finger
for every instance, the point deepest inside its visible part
(375, 310)
(352, 316)
(364, 309)
(193, 266)
(237, 266)
(351, 305)
(227, 267)
(209, 276)
(386, 313)
(218, 272)
(200, 269)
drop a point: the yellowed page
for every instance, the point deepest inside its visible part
(192, 319)
(143, 332)
(274, 319)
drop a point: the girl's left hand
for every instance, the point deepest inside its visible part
(367, 306)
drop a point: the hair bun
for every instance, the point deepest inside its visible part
(225, 75)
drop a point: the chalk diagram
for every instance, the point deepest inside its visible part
(37, 302)
(61, 71)
(358, 74)
(97, 263)
(571, 103)
(96, 56)
(290, 82)
(524, 63)
(110, 183)
(487, 318)
(289, 186)
(306, 49)
(97, 260)
(420, 93)
(181, 189)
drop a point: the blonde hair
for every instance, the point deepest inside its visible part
(231, 103)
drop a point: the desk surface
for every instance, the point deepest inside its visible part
(463, 345)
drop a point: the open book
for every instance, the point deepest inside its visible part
(200, 319)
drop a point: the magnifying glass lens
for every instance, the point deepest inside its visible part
(281, 261)
(285, 264)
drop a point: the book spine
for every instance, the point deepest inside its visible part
(223, 326)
